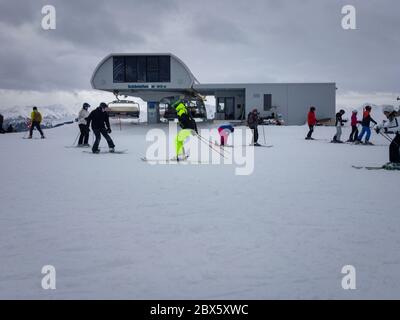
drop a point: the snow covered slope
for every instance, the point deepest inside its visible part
(116, 227)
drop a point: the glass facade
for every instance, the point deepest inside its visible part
(142, 69)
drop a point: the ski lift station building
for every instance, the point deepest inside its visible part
(162, 78)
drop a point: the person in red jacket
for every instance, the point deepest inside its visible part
(354, 129)
(312, 121)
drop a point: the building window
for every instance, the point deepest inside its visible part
(153, 69)
(131, 69)
(142, 69)
(119, 69)
(267, 102)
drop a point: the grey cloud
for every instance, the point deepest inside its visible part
(221, 41)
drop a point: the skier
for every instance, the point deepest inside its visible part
(36, 119)
(224, 132)
(312, 122)
(189, 128)
(392, 126)
(100, 126)
(1, 124)
(253, 120)
(354, 128)
(366, 122)
(83, 126)
(339, 124)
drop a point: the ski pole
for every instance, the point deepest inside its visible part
(390, 140)
(265, 141)
(386, 137)
(76, 139)
(209, 145)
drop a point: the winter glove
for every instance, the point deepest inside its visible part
(378, 130)
(109, 130)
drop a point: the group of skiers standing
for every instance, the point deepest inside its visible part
(99, 121)
(339, 123)
(391, 126)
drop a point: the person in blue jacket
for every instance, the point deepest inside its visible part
(224, 132)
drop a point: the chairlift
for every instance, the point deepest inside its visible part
(123, 109)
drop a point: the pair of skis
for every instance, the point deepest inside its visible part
(368, 168)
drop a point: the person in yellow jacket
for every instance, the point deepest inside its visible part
(189, 128)
(36, 119)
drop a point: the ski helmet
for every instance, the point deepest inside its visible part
(103, 105)
(35, 108)
(388, 109)
(86, 105)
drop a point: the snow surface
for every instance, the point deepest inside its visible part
(116, 227)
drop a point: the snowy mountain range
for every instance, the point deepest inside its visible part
(53, 115)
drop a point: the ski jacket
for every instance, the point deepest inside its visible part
(186, 121)
(99, 119)
(367, 119)
(391, 126)
(253, 120)
(83, 114)
(227, 128)
(36, 116)
(354, 120)
(339, 120)
(311, 118)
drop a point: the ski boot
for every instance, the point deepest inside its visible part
(391, 166)
(96, 151)
(111, 150)
(367, 143)
(181, 157)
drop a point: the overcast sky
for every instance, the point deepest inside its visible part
(220, 41)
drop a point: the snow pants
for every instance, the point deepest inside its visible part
(36, 125)
(310, 132)
(224, 134)
(180, 140)
(255, 134)
(338, 135)
(394, 150)
(84, 137)
(98, 133)
(354, 133)
(365, 130)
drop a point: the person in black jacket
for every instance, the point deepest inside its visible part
(1, 124)
(253, 120)
(339, 124)
(185, 119)
(100, 126)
